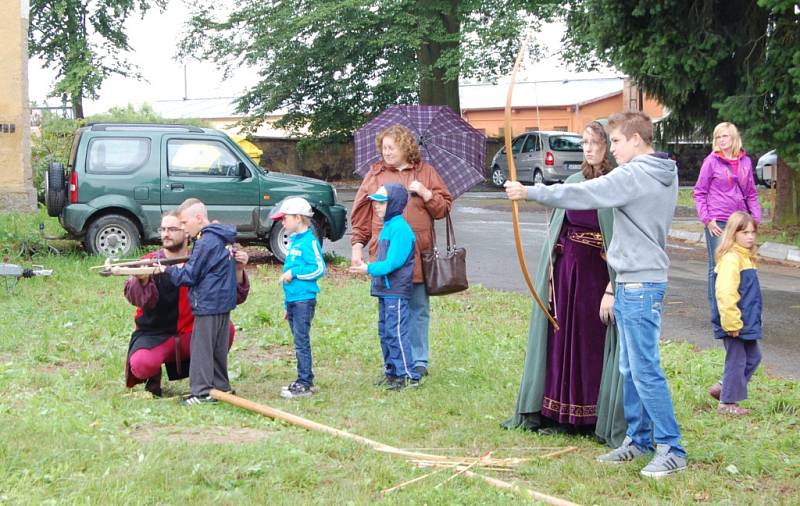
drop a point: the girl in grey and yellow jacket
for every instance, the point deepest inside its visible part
(736, 311)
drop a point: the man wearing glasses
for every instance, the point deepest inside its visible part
(163, 316)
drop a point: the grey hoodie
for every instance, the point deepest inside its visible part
(642, 193)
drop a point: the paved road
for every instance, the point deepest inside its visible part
(483, 227)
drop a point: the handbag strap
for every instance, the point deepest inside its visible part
(736, 179)
(450, 233)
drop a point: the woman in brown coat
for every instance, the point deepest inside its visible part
(429, 200)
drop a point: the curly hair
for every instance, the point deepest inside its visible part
(405, 139)
(599, 134)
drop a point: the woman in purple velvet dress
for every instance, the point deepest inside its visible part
(571, 377)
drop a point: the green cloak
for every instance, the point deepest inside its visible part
(611, 426)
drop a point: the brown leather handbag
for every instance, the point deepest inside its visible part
(445, 271)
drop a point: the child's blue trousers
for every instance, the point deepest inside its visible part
(393, 327)
(742, 357)
(300, 314)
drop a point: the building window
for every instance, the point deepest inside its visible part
(501, 132)
(560, 129)
(482, 130)
(532, 129)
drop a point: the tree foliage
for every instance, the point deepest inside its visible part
(84, 41)
(328, 65)
(708, 61)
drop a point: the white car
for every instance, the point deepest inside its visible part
(767, 168)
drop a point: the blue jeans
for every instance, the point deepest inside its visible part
(393, 331)
(712, 242)
(300, 314)
(420, 320)
(645, 398)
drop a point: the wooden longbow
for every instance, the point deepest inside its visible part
(512, 176)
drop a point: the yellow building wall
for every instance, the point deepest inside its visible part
(16, 178)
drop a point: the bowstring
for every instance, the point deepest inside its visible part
(550, 214)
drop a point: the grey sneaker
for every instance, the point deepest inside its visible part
(626, 452)
(664, 463)
(295, 390)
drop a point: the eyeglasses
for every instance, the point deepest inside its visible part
(589, 144)
(170, 230)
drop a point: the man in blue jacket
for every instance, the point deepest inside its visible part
(210, 274)
(392, 274)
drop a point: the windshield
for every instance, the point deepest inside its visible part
(566, 143)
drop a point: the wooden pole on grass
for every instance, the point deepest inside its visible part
(311, 425)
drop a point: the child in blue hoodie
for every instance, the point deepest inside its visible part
(302, 268)
(210, 274)
(392, 273)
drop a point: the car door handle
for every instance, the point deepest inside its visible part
(174, 186)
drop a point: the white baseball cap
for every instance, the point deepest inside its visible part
(293, 205)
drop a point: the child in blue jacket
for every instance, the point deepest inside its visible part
(392, 273)
(302, 268)
(210, 274)
(736, 311)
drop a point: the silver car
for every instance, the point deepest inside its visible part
(540, 157)
(766, 168)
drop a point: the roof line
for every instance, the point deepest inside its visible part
(567, 80)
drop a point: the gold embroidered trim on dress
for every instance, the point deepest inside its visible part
(569, 409)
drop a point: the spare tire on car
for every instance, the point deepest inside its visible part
(55, 188)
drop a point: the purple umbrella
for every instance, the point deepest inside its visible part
(455, 149)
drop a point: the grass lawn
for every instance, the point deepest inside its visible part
(74, 434)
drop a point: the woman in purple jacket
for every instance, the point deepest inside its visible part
(725, 185)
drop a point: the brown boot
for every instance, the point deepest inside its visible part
(153, 385)
(715, 391)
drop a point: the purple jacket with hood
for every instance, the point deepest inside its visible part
(719, 191)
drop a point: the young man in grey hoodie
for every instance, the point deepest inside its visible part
(642, 191)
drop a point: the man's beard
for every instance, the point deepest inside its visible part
(174, 247)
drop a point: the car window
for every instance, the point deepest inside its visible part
(117, 155)
(190, 157)
(565, 143)
(531, 144)
(517, 144)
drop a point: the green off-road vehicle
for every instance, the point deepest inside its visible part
(120, 178)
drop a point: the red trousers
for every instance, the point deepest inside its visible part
(146, 362)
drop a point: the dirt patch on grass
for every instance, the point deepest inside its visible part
(212, 435)
(255, 354)
(72, 367)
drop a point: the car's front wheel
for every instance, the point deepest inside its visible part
(113, 236)
(279, 238)
(498, 178)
